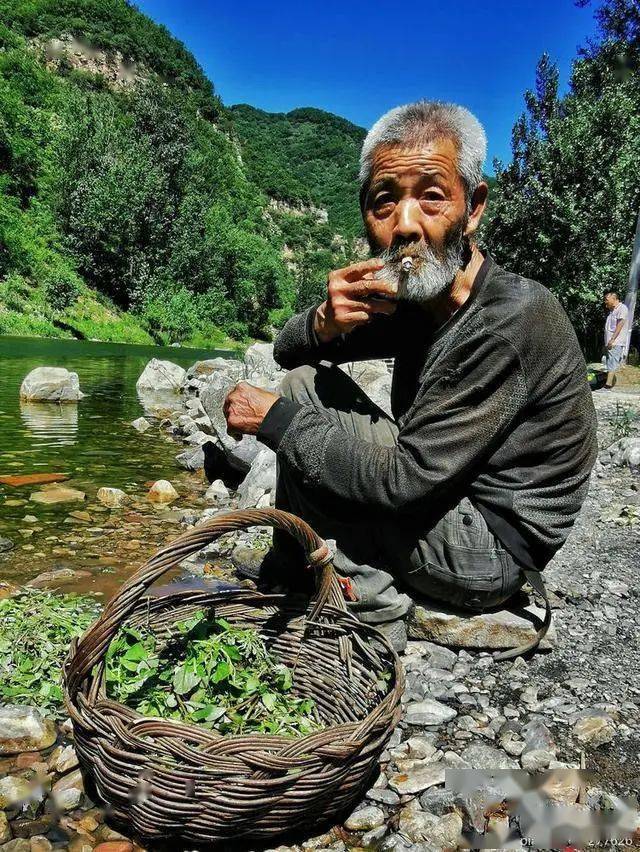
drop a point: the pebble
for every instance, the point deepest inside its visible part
(67, 792)
(429, 712)
(594, 730)
(365, 819)
(416, 776)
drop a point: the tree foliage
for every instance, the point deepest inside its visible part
(564, 210)
(149, 194)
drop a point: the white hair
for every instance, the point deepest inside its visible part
(424, 121)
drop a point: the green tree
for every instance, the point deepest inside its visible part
(564, 210)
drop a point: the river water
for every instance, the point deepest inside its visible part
(95, 445)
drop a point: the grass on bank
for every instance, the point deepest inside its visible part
(26, 311)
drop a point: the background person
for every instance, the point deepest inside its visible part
(616, 329)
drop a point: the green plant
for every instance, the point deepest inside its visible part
(623, 421)
(36, 628)
(209, 672)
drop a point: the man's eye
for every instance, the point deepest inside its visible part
(383, 199)
(432, 196)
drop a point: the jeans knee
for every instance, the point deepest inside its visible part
(296, 382)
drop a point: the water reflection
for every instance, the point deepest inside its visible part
(51, 425)
(158, 403)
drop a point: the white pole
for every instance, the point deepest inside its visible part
(632, 290)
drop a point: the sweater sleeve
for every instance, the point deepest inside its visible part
(453, 425)
(297, 343)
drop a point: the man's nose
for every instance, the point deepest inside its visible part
(408, 220)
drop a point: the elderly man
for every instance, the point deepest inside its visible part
(474, 483)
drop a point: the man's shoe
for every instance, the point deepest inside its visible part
(395, 632)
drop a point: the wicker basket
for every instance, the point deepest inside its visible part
(168, 781)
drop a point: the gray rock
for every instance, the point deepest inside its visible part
(499, 629)
(384, 796)
(161, 376)
(438, 802)
(217, 492)
(485, 757)
(244, 450)
(212, 397)
(626, 451)
(67, 792)
(6, 544)
(537, 758)
(191, 459)
(429, 712)
(15, 790)
(63, 759)
(440, 832)
(415, 776)
(141, 424)
(365, 819)
(537, 736)
(5, 829)
(261, 479)
(260, 363)
(594, 730)
(230, 367)
(23, 729)
(112, 497)
(51, 384)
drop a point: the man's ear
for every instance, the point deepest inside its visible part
(478, 206)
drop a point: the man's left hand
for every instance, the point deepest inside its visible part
(245, 407)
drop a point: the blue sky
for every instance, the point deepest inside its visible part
(358, 59)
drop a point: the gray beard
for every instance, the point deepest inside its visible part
(430, 276)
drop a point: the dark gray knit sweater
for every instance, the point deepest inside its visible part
(493, 405)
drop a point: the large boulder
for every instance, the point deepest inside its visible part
(261, 366)
(260, 480)
(375, 380)
(161, 376)
(230, 367)
(212, 397)
(51, 384)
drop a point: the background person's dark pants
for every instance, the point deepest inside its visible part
(454, 558)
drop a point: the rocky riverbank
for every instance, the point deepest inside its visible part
(575, 706)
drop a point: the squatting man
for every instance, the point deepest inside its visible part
(473, 484)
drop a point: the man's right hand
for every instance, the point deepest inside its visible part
(349, 300)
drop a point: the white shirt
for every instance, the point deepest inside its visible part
(620, 312)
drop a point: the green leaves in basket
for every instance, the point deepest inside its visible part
(210, 672)
(36, 629)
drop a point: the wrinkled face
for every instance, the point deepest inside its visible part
(610, 301)
(416, 206)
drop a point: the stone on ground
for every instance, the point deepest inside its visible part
(67, 792)
(57, 575)
(51, 494)
(217, 492)
(500, 629)
(141, 424)
(113, 498)
(162, 491)
(161, 376)
(23, 729)
(260, 480)
(51, 384)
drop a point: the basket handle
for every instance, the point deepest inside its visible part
(93, 645)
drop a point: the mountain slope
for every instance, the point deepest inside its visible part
(127, 184)
(305, 154)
